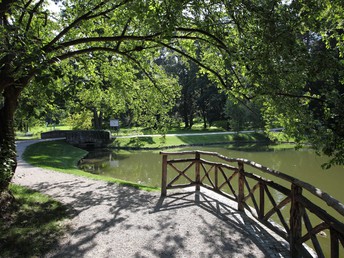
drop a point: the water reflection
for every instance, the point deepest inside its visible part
(145, 166)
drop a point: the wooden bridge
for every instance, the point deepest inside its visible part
(290, 214)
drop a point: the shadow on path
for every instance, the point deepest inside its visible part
(108, 220)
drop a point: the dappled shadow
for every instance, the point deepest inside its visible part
(29, 225)
(103, 209)
(121, 221)
(108, 220)
(226, 233)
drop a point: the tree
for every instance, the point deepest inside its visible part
(250, 48)
(36, 41)
(287, 54)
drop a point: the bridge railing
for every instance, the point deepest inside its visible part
(254, 194)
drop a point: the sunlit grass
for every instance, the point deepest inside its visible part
(35, 132)
(62, 157)
(181, 140)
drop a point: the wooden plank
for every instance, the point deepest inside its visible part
(334, 244)
(270, 183)
(251, 194)
(315, 230)
(206, 174)
(180, 186)
(274, 209)
(261, 200)
(164, 176)
(180, 173)
(197, 171)
(313, 237)
(278, 212)
(228, 182)
(241, 189)
(295, 222)
(216, 178)
(322, 214)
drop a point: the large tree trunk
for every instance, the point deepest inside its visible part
(97, 119)
(8, 158)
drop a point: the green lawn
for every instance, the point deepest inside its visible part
(35, 132)
(160, 141)
(62, 157)
(31, 225)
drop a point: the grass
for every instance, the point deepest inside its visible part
(62, 157)
(32, 225)
(154, 142)
(36, 131)
(197, 128)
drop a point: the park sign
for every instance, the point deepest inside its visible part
(114, 123)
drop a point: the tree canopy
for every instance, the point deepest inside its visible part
(287, 54)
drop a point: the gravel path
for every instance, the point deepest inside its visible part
(108, 220)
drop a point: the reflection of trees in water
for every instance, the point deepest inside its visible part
(98, 160)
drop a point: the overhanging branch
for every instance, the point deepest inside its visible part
(86, 16)
(106, 39)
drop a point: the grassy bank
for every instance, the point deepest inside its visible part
(35, 132)
(62, 157)
(32, 224)
(159, 141)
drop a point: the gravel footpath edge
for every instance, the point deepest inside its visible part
(109, 220)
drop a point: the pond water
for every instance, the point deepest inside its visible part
(144, 167)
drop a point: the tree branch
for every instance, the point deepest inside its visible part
(221, 45)
(5, 5)
(296, 96)
(108, 10)
(218, 76)
(34, 10)
(24, 11)
(105, 49)
(143, 70)
(86, 16)
(123, 32)
(106, 39)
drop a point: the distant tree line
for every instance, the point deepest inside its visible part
(87, 102)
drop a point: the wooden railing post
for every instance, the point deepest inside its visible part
(197, 171)
(295, 221)
(241, 184)
(261, 200)
(216, 178)
(164, 176)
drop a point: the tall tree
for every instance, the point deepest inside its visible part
(251, 48)
(35, 40)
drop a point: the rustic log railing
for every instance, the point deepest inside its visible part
(253, 194)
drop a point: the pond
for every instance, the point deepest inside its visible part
(144, 167)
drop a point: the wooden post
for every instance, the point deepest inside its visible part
(295, 221)
(197, 171)
(164, 175)
(334, 244)
(261, 200)
(216, 178)
(241, 184)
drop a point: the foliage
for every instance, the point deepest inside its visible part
(32, 225)
(287, 54)
(80, 120)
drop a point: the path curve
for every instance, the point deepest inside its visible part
(108, 220)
